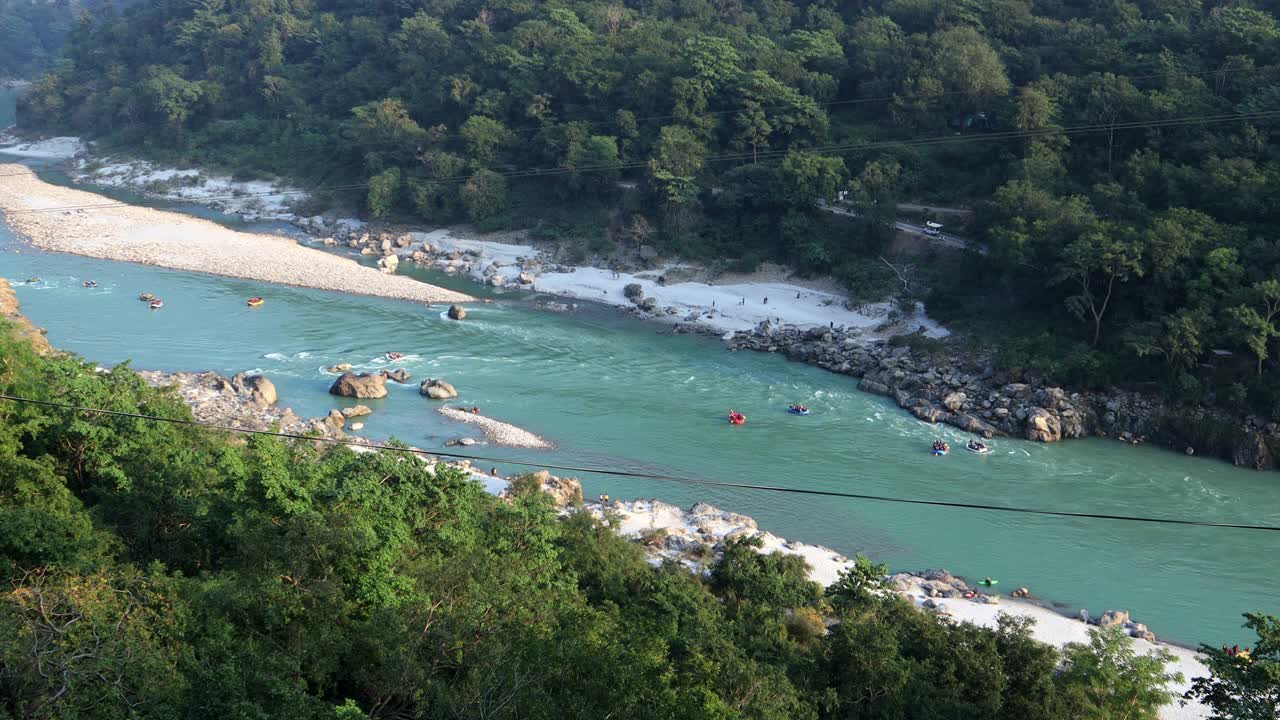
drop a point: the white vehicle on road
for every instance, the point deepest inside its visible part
(932, 228)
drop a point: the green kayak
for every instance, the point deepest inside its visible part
(989, 582)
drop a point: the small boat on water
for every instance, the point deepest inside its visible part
(798, 410)
(737, 418)
(146, 297)
(90, 283)
(940, 448)
(394, 355)
(33, 280)
(978, 448)
(156, 304)
(254, 302)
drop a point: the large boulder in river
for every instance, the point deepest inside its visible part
(457, 313)
(399, 375)
(437, 389)
(633, 292)
(360, 385)
(389, 264)
(1043, 426)
(260, 390)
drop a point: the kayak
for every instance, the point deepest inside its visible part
(254, 301)
(90, 283)
(156, 304)
(979, 451)
(988, 583)
(798, 411)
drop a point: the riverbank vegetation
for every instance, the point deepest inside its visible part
(162, 570)
(1119, 155)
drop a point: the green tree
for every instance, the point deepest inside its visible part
(382, 192)
(484, 138)
(484, 195)
(1244, 686)
(1093, 264)
(1108, 678)
(677, 159)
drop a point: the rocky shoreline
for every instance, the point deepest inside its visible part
(965, 391)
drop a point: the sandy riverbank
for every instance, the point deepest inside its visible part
(181, 242)
(498, 432)
(737, 303)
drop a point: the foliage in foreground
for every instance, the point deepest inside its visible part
(159, 570)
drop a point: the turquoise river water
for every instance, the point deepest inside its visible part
(611, 391)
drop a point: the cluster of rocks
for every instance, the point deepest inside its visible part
(964, 390)
(1121, 618)
(246, 401)
(394, 249)
(970, 394)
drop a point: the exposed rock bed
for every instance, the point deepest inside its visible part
(242, 401)
(967, 392)
(498, 432)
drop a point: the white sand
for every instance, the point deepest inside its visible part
(498, 432)
(179, 241)
(715, 306)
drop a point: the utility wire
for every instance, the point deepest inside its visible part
(839, 149)
(648, 476)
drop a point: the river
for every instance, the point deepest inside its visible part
(614, 392)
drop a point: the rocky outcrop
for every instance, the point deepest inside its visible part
(389, 264)
(256, 388)
(399, 375)
(457, 313)
(360, 385)
(566, 492)
(633, 292)
(239, 401)
(437, 389)
(356, 411)
(1043, 425)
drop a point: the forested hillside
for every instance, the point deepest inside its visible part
(1121, 155)
(164, 571)
(32, 33)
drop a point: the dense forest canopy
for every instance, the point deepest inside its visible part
(1120, 154)
(32, 32)
(155, 570)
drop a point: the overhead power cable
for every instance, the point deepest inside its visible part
(838, 149)
(649, 476)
